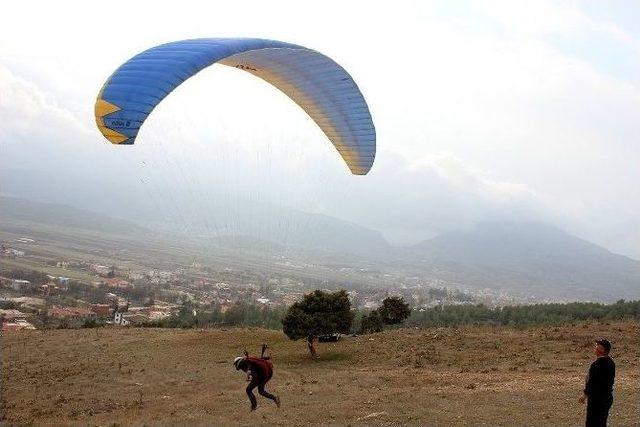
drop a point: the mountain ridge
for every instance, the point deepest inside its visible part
(529, 257)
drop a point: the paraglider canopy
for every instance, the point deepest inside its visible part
(325, 91)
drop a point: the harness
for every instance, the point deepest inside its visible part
(263, 367)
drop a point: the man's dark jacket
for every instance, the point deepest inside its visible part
(599, 384)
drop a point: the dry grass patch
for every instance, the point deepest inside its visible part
(438, 376)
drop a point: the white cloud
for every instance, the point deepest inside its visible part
(26, 109)
(410, 200)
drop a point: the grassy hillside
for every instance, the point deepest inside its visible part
(465, 376)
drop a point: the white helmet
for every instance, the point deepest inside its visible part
(236, 361)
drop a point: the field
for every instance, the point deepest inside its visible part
(466, 376)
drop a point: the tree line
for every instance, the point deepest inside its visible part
(240, 314)
(524, 315)
(245, 314)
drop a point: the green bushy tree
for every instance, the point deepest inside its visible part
(319, 313)
(394, 310)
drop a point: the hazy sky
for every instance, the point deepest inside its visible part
(483, 110)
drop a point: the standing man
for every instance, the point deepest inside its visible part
(598, 389)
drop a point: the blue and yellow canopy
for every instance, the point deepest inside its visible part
(315, 82)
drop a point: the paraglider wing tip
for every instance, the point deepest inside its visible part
(360, 170)
(102, 109)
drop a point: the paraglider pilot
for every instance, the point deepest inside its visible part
(259, 371)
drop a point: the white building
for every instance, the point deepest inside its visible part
(18, 285)
(120, 320)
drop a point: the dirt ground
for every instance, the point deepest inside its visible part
(436, 377)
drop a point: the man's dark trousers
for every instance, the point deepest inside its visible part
(598, 410)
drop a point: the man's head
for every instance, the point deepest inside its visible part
(240, 363)
(603, 347)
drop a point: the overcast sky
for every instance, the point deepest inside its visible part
(483, 110)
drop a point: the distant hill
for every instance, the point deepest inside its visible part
(524, 258)
(211, 217)
(530, 258)
(26, 211)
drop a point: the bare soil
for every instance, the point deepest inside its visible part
(473, 376)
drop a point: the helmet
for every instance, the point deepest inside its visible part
(236, 361)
